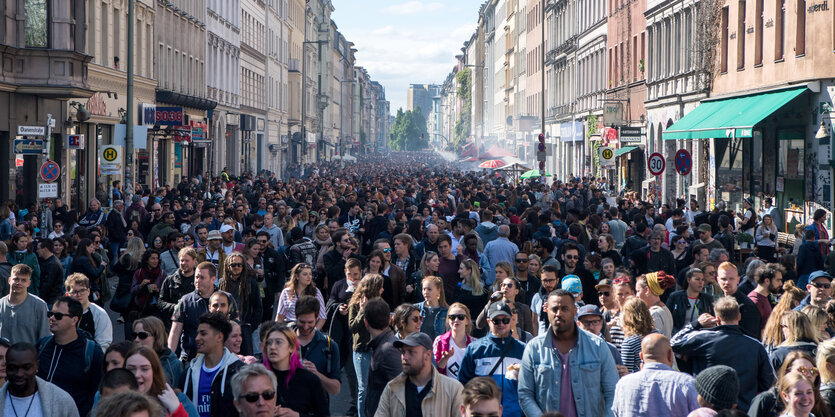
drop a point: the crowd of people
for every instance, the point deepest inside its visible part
(426, 290)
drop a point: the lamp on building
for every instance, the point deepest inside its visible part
(81, 112)
(823, 132)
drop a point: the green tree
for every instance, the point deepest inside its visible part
(462, 125)
(408, 133)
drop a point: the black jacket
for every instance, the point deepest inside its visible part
(751, 319)
(174, 287)
(631, 244)
(385, 365)
(727, 345)
(678, 305)
(52, 279)
(116, 230)
(64, 366)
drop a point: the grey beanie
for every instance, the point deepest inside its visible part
(719, 386)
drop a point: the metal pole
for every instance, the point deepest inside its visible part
(128, 188)
(542, 68)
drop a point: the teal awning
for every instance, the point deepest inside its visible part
(624, 150)
(730, 117)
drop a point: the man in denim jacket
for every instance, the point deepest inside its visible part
(565, 351)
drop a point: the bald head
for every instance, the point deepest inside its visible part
(656, 348)
(504, 230)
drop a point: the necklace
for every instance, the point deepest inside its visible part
(27, 409)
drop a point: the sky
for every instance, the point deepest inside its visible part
(402, 42)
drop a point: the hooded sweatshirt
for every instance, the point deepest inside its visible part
(221, 392)
(64, 366)
(488, 231)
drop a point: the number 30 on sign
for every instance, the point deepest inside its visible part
(656, 164)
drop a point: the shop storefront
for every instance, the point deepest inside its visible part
(572, 150)
(757, 146)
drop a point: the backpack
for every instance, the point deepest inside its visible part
(135, 214)
(89, 350)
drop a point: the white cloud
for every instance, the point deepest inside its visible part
(412, 8)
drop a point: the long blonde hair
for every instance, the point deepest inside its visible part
(369, 287)
(800, 328)
(772, 333)
(826, 355)
(474, 279)
(135, 249)
(439, 284)
(818, 317)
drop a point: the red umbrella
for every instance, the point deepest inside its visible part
(493, 163)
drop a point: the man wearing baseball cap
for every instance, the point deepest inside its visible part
(820, 290)
(419, 390)
(497, 355)
(212, 252)
(227, 234)
(590, 319)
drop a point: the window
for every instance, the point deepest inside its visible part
(723, 42)
(740, 36)
(36, 29)
(800, 37)
(758, 33)
(780, 30)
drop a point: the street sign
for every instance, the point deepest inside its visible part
(607, 157)
(75, 141)
(111, 156)
(31, 130)
(28, 146)
(50, 171)
(612, 114)
(656, 164)
(48, 190)
(631, 133)
(684, 163)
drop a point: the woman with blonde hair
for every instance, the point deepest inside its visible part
(798, 334)
(369, 288)
(299, 284)
(637, 323)
(449, 347)
(768, 403)
(772, 333)
(825, 362)
(471, 291)
(434, 306)
(819, 319)
(429, 265)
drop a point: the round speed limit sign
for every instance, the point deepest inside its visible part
(656, 164)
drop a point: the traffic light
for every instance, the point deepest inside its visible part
(540, 152)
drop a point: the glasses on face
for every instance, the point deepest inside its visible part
(236, 265)
(522, 260)
(263, 242)
(572, 257)
(159, 209)
(593, 322)
(78, 292)
(253, 397)
(622, 280)
(386, 250)
(549, 280)
(605, 293)
(824, 285)
(459, 317)
(417, 319)
(807, 370)
(141, 335)
(507, 285)
(57, 316)
(502, 320)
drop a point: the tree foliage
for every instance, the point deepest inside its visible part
(462, 125)
(408, 133)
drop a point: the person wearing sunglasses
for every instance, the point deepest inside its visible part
(769, 403)
(495, 349)
(65, 358)
(572, 265)
(254, 388)
(144, 364)
(150, 332)
(449, 347)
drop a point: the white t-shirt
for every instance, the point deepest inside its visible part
(453, 365)
(18, 406)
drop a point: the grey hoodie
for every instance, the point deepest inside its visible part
(487, 231)
(55, 402)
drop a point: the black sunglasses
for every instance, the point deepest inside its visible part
(251, 398)
(605, 293)
(459, 317)
(822, 285)
(503, 320)
(58, 316)
(521, 260)
(236, 265)
(141, 335)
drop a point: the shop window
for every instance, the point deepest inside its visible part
(730, 186)
(758, 33)
(36, 32)
(723, 41)
(780, 30)
(791, 168)
(800, 36)
(740, 36)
